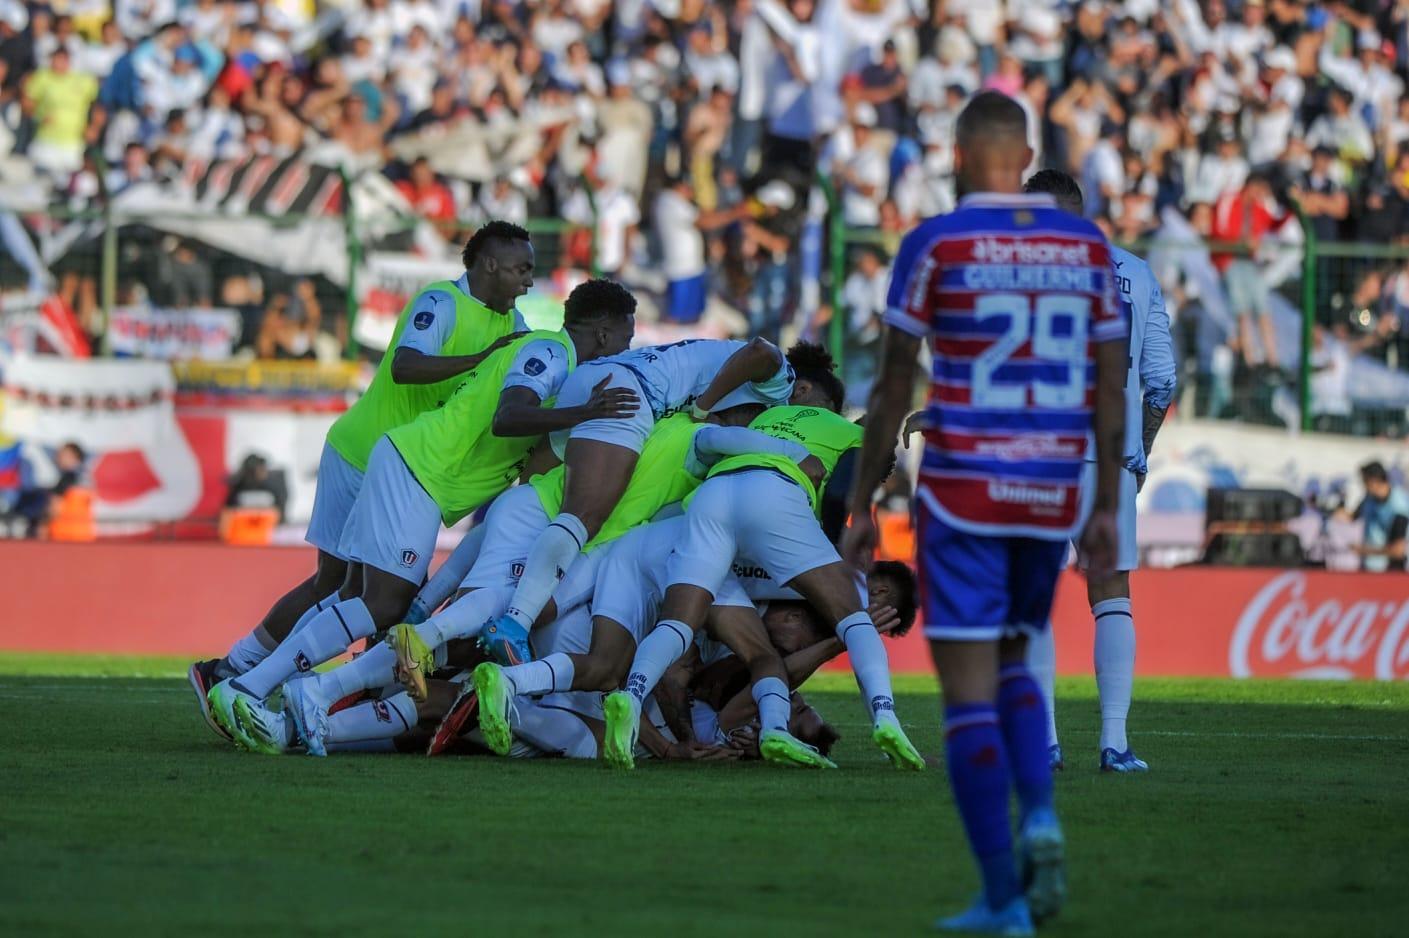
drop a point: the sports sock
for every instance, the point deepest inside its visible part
(447, 577)
(774, 704)
(1025, 737)
(978, 775)
(313, 610)
(544, 676)
(465, 617)
(373, 719)
(1042, 664)
(668, 641)
(554, 551)
(1115, 668)
(328, 634)
(870, 663)
(376, 668)
(249, 651)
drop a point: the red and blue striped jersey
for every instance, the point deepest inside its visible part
(1011, 294)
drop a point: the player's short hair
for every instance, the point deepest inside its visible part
(593, 300)
(814, 363)
(1374, 472)
(904, 579)
(1060, 186)
(492, 231)
(990, 113)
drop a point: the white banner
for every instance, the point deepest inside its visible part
(386, 284)
(152, 332)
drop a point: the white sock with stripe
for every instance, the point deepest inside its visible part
(870, 663)
(329, 634)
(1115, 668)
(553, 553)
(373, 719)
(1042, 663)
(544, 676)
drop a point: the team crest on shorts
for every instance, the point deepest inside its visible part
(409, 558)
(382, 711)
(301, 663)
(516, 569)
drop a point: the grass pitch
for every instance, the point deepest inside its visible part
(1273, 808)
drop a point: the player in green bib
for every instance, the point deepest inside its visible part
(439, 468)
(446, 330)
(763, 509)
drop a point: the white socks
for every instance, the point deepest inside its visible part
(465, 617)
(1042, 663)
(249, 651)
(376, 668)
(774, 704)
(870, 663)
(668, 641)
(373, 719)
(1115, 668)
(448, 577)
(308, 614)
(544, 676)
(328, 634)
(553, 553)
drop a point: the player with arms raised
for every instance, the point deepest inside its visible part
(1016, 299)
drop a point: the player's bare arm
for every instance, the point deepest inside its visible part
(412, 366)
(757, 361)
(890, 401)
(520, 411)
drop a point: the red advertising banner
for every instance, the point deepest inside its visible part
(195, 599)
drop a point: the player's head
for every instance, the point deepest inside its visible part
(1376, 480)
(1058, 185)
(808, 725)
(499, 261)
(892, 583)
(600, 315)
(740, 415)
(815, 381)
(990, 144)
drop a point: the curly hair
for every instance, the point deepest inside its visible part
(598, 299)
(492, 231)
(904, 579)
(814, 363)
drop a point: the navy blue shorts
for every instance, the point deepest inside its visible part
(980, 588)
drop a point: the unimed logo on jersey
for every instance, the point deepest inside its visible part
(409, 558)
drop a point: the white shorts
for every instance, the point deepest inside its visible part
(394, 523)
(1127, 555)
(569, 634)
(725, 522)
(338, 484)
(512, 526)
(630, 432)
(633, 577)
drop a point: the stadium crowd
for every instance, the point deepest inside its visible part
(689, 134)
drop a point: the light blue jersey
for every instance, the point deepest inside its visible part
(1152, 375)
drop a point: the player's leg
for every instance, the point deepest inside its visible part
(448, 576)
(1042, 663)
(555, 729)
(1114, 648)
(598, 461)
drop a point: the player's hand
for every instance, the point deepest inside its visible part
(744, 740)
(697, 752)
(884, 618)
(858, 541)
(610, 403)
(504, 340)
(1098, 544)
(913, 424)
(814, 470)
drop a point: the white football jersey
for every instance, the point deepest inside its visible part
(672, 376)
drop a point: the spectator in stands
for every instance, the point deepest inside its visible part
(57, 99)
(429, 197)
(35, 504)
(865, 298)
(290, 324)
(1321, 195)
(255, 485)
(1384, 515)
(1247, 216)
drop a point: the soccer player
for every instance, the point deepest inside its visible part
(1149, 389)
(447, 329)
(701, 374)
(441, 467)
(1015, 298)
(786, 540)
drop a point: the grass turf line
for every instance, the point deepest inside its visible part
(121, 811)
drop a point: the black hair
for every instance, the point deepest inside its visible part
(990, 112)
(1060, 186)
(812, 362)
(593, 300)
(905, 602)
(492, 231)
(1374, 471)
(77, 450)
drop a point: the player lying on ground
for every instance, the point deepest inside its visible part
(700, 374)
(786, 540)
(1017, 301)
(442, 466)
(1149, 388)
(447, 329)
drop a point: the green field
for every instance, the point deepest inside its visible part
(1272, 809)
